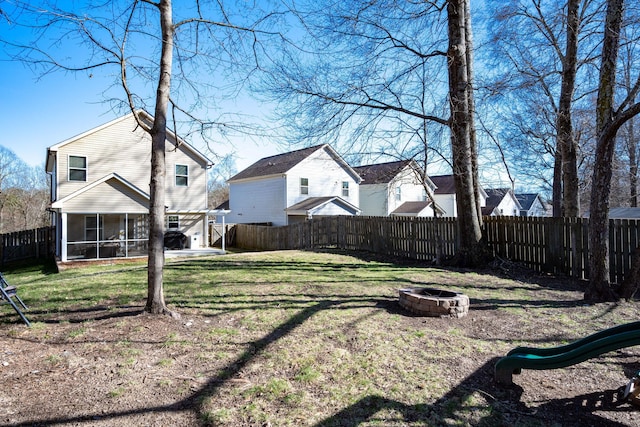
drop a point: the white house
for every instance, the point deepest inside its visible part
(100, 190)
(501, 201)
(395, 188)
(445, 194)
(532, 204)
(292, 187)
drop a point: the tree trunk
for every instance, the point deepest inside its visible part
(633, 164)
(557, 185)
(564, 127)
(599, 288)
(468, 33)
(155, 295)
(462, 146)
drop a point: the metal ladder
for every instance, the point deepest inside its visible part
(9, 293)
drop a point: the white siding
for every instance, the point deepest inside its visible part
(447, 202)
(373, 199)
(260, 200)
(508, 206)
(537, 208)
(410, 189)
(325, 179)
(380, 199)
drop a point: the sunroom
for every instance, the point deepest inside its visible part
(96, 235)
(106, 219)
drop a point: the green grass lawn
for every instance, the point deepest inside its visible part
(291, 338)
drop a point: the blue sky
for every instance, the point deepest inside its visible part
(37, 112)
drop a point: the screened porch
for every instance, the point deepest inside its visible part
(95, 236)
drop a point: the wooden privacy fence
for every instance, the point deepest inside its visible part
(26, 244)
(553, 245)
(420, 238)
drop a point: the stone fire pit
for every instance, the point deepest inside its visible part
(434, 302)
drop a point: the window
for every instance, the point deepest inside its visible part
(398, 193)
(304, 185)
(77, 168)
(93, 228)
(182, 175)
(173, 221)
(424, 195)
(345, 188)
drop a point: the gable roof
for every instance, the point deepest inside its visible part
(144, 116)
(381, 173)
(114, 176)
(415, 208)
(526, 199)
(495, 196)
(282, 163)
(312, 204)
(444, 184)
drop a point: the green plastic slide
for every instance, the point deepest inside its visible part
(611, 339)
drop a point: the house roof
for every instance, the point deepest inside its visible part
(381, 173)
(413, 208)
(624, 213)
(384, 173)
(311, 204)
(224, 205)
(494, 197)
(489, 210)
(282, 163)
(445, 184)
(144, 116)
(526, 199)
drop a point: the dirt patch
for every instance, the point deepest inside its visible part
(314, 357)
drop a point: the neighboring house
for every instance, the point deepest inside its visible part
(445, 194)
(532, 204)
(293, 187)
(501, 201)
(100, 190)
(624, 213)
(395, 188)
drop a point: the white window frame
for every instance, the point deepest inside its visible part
(85, 169)
(180, 175)
(398, 192)
(345, 188)
(304, 186)
(171, 220)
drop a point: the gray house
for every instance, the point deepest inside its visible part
(100, 191)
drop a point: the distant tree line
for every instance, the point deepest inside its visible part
(24, 194)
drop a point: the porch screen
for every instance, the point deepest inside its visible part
(94, 236)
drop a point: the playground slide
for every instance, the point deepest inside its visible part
(611, 339)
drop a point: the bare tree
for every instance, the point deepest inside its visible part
(463, 143)
(609, 120)
(543, 48)
(143, 42)
(390, 78)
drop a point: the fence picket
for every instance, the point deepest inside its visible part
(554, 245)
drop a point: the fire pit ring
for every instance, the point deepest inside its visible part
(434, 302)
